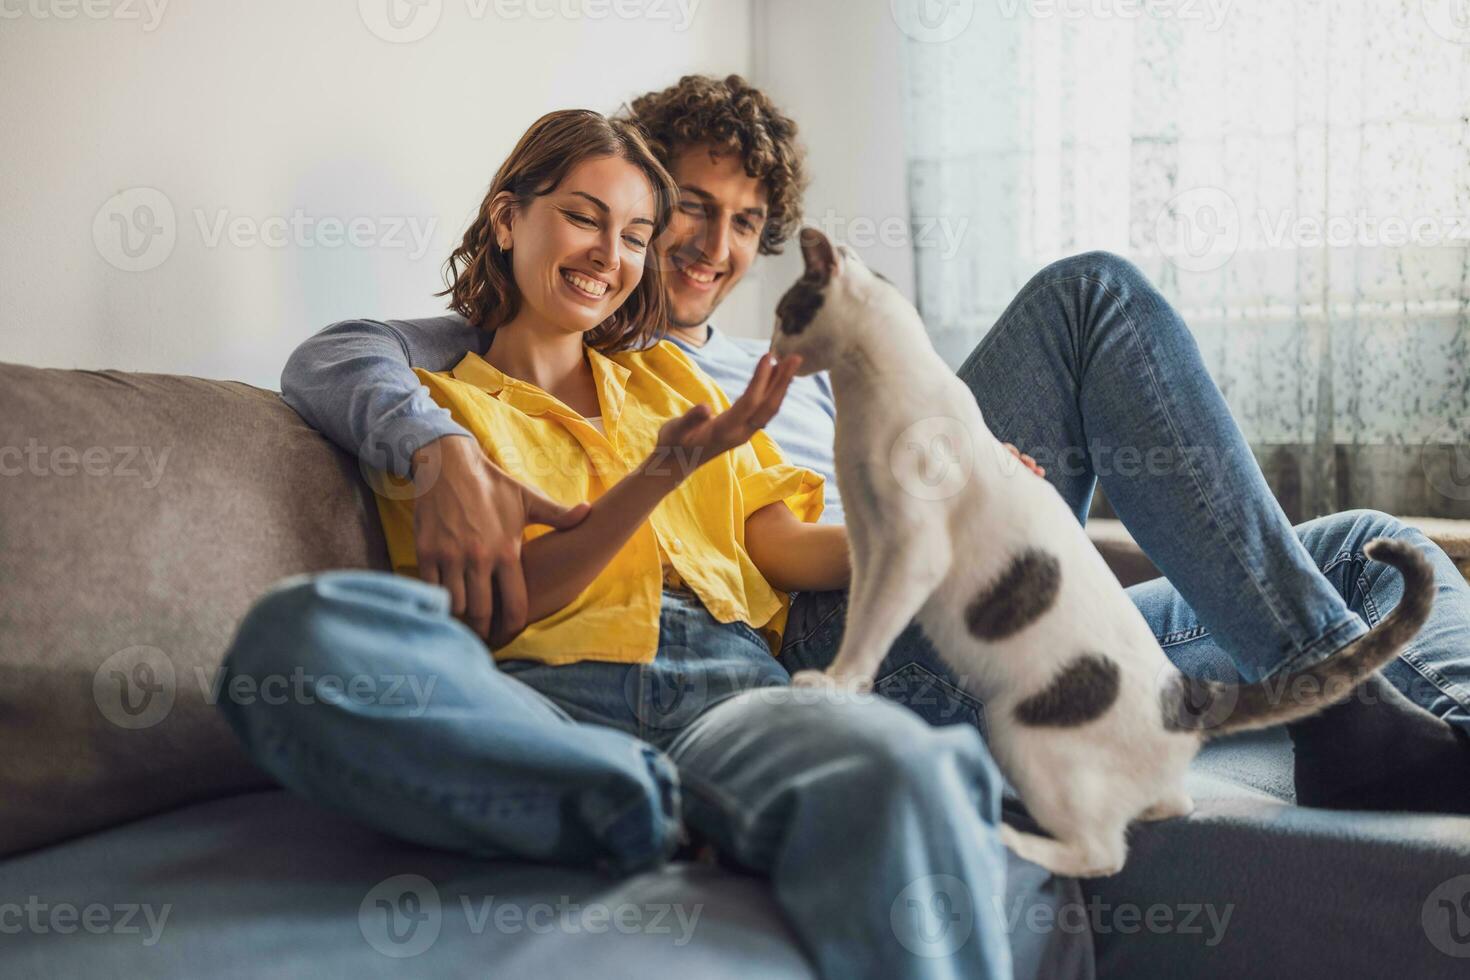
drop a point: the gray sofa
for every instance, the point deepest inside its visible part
(140, 515)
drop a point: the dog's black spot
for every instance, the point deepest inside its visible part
(1025, 590)
(1083, 691)
(799, 306)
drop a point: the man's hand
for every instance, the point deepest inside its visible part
(701, 438)
(1030, 463)
(468, 521)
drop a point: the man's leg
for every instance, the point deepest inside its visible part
(360, 691)
(1093, 373)
(878, 831)
(1402, 741)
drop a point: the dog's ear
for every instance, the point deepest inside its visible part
(821, 258)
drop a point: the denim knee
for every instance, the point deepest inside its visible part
(904, 758)
(1346, 533)
(1106, 267)
(292, 637)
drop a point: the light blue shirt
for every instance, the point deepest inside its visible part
(804, 428)
(354, 382)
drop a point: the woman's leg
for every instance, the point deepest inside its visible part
(1402, 741)
(878, 832)
(1093, 373)
(360, 691)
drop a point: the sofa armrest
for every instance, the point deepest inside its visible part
(1132, 566)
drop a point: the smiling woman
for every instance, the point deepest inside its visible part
(621, 303)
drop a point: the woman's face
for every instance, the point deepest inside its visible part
(578, 252)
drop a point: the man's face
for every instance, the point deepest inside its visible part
(714, 233)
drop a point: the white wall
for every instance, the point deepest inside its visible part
(835, 67)
(256, 113)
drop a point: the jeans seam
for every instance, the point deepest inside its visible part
(1262, 589)
(1338, 559)
(960, 694)
(827, 618)
(1410, 656)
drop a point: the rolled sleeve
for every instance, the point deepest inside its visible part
(765, 478)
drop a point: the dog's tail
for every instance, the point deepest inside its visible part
(1212, 708)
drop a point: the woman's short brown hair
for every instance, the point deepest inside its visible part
(482, 286)
(730, 115)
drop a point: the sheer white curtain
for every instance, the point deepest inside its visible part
(1294, 175)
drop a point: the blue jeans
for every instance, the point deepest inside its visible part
(1093, 373)
(875, 829)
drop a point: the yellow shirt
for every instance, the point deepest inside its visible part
(698, 529)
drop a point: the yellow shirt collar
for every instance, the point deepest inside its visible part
(610, 377)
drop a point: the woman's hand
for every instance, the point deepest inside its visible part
(699, 438)
(1030, 463)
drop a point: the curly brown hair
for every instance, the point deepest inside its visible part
(729, 115)
(482, 286)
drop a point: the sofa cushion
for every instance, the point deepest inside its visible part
(140, 515)
(268, 884)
